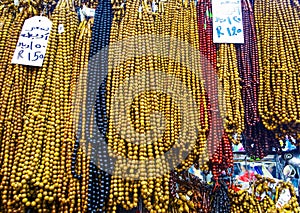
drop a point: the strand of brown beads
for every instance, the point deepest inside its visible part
(6, 22)
(13, 104)
(279, 65)
(118, 186)
(42, 167)
(139, 21)
(229, 77)
(78, 92)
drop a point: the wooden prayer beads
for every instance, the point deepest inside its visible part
(36, 158)
(279, 65)
(136, 23)
(230, 80)
(14, 101)
(263, 196)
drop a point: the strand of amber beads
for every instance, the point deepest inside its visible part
(80, 157)
(278, 62)
(47, 137)
(230, 81)
(154, 191)
(12, 110)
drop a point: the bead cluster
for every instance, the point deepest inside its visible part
(263, 196)
(194, 195)
(37, 138)
(257, 140)
(175, 19)
(47, 137)
(14, 98)
(278, 27)
(191, 195)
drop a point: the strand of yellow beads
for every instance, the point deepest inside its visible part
(279, 65)
(149, 55)
(229, 78)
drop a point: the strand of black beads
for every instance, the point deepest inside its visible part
(99, 179)
(220, 202)
(104, 158)
(102, 123)
(73, 162)
(93, 183)
(94, 67)
(101, 117)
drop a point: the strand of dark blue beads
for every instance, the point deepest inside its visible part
(99, 179)
(93, 177)
(220, 202)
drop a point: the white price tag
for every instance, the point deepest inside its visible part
(61, 28)
(284, 198)
(81, 15)
(154, 7)
(32, 43)
(88, 11)
(16, 2)
(227, 21)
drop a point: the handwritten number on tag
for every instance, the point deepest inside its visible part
(230, 31)
(227, 21)
(33, 40)
(219, 31)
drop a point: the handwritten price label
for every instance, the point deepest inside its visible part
(32, 43)
(227, 21)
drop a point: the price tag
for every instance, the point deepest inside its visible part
(61, 28)
(32, 43)
(88, 11)
(81, 15)
(227, 21)
(154, 7)
(284, 198)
